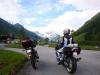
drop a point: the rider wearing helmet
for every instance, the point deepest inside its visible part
(27, 42)
(67, 39)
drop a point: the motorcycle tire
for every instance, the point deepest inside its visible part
(72, 65)
(34, 62)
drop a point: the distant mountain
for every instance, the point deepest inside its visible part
(27, 32)
(17, 30)
(5, 27)
(89, 33)
(40, 34)
(18, 26)
(52, 36)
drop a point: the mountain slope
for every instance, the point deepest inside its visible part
(5, 27)
(33, 35)
(89, 33)
(17, 30)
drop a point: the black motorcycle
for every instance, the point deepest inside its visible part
(32, 57)
(68, 59)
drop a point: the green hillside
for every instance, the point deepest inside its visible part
(5, 27)
(89, 33)
(17, 30)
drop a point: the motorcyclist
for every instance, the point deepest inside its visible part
(67, 39)
(27, 42)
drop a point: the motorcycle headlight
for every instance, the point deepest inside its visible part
(29, 55)
(28, 52)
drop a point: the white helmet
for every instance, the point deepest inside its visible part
(66, 31)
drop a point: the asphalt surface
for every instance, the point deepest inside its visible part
(2, 45)
(89, 65)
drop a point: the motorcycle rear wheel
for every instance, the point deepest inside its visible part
(71, 65)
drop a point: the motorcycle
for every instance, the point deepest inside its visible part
(68, 57)
(32, 57)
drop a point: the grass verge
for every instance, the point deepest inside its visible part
(10, 62)
(83, 47)
(89, 47)
(14, 45)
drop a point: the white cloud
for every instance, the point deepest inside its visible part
(83, 4)
(71, 20)
(28, 21)
(10, 10)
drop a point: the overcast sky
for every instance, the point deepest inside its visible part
(49, 15)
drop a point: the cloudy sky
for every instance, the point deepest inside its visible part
(49, 15)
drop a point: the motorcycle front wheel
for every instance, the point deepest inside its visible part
(34, 62)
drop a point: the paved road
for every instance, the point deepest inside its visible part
(2, 45)
(89, 65)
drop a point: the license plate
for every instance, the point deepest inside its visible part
(75, 53)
